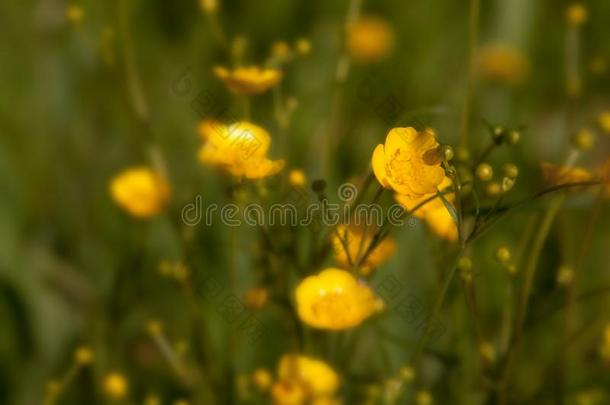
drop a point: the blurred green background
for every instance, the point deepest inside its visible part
(74, 268)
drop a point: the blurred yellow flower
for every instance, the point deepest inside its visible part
(442, 224)
(83, 355)
(239, 148)
(248, 80)
(303, 46)
(317, 377)
(115, 385)
(286, 392)
(262, 379)
(603, 120)
(503, 63)
(256, 298)
(357, 239)
(140, 191)
(408, 163)
(209, 6)
(576, 14)
(334, 299)
(297, 178)
(555, 175)
(74, 13)
(434, 212)
(370, 39)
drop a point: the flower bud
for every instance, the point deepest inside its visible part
(484, 172)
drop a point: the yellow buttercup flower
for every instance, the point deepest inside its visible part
(317, 377)
(239, 148)
(434, 212)
(370, 39)
(354, 241)
(140, 191)
(408, 163)
(286, 392)
(442, 224)
(556, 175)
(248, 80)
(334, 299)
(503, 63)
(410, 202)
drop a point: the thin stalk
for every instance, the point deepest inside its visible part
(438, 303)
(473, 34)
(528, 279)
(572, 287)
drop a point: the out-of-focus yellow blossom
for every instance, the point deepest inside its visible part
(576, 14)
(154, 327)
(262, 379)
(317, 377)
(407, 373)
(325, 401)
(487, 352)
(603, 120)
(248, 80)
(583, 140)
(297, 178)
(409, 162)
(370, 39)
(442, 224)
(556, 175)
(256, 297)
(152, 399)
(280, 50)
(303, 46)
(209, 6)
(604, 349)
(140, 191)
(83, 355)
(239, 148)
(503, 63)
(286, 392)
(354, 241)
(434, 212)
(115, 385)
(74, 13)
(565, 275)
(423, 397)
(334, 299)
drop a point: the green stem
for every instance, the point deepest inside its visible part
(472, 49)
(438, 303)
(528, 280)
